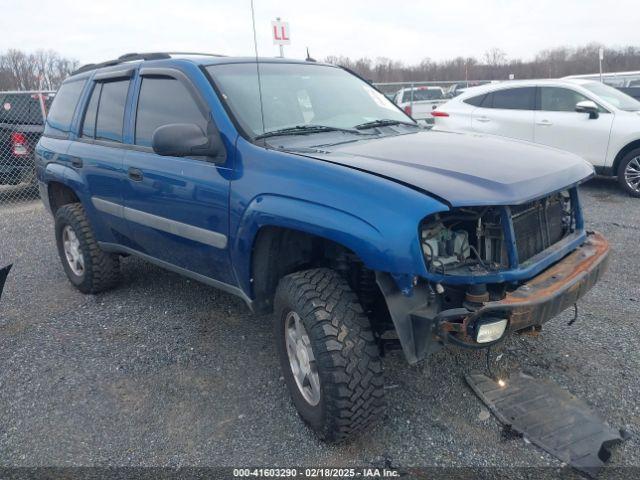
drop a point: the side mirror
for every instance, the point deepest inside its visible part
(187, 140)
(587, 106)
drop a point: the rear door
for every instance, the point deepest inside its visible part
(557, 124)
(55, 141)
(177, 207)
(508, 112)
(98, 153)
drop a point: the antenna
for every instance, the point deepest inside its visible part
(309, 59)
(255, 47)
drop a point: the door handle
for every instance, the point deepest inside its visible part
(135, 174)
(76, 162)
(483, 119)
(544, 123)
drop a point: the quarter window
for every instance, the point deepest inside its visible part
(110, 116)
(164, 100)
(63, 107)
(555, 99)
(475, 101)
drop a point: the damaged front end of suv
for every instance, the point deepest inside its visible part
(493, 270)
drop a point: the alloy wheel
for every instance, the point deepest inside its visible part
(632, 174)
(301, 359)
(72, 252)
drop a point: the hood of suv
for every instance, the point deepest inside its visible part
(463, 169)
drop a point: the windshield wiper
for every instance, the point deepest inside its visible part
(383, 122)
(304, 130)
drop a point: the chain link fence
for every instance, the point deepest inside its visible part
(22, 116)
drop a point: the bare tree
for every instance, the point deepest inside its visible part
(34, 71)
(495, 65)
(495, 57)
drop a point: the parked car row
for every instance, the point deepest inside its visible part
(585, 117)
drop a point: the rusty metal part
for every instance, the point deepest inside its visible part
(533, 331)
(477, 298)
(546, 295)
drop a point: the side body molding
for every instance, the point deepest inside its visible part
(197, 234)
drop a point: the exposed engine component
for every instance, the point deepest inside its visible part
(443, 246)
(473, 239)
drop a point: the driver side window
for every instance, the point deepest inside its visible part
(164, 100)
(557, 99)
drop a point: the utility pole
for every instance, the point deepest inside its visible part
(601, 57)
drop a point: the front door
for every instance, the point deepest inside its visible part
(559, 125)
(177, 208)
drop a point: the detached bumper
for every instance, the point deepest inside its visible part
(422, 330)
(544, 296)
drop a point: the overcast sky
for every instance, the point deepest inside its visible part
(98, 30)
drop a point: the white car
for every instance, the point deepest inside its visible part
(586, 117)
(424, 100)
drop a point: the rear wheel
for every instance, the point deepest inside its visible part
(89, 269)
(629, 173)
(328, 355)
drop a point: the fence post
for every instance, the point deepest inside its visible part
(43, 109)
(411, 101)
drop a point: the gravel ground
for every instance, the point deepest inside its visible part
(164, 371)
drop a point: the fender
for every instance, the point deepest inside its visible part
(619, 150)
(355, 233)
(67, 176)
(55, 172)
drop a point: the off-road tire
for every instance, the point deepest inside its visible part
(347, 357)
(101, 269)
(622, 167)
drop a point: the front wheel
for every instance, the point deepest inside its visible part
(328, 355)
(629, 173)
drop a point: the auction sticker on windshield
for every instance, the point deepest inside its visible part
(379, 98)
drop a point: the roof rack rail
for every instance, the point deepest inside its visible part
(130, 57)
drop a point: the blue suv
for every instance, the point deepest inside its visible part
(303, 190)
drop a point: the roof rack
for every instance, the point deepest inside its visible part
(130, 57)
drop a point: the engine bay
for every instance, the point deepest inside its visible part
(474, 240)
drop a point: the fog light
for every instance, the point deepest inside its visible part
(490, 331)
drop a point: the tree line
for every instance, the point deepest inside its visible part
(44, 69)
(495, 65)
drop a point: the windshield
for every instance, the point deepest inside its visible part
(295, 95)
(423, 94)
(613, 96)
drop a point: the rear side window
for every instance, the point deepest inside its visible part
(162, 101)
(63, 107)
(89, 122)
(110, 116)
(512, 99)
(475, 101)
